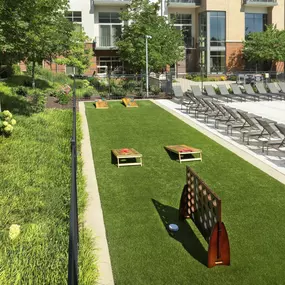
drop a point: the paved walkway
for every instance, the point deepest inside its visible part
(272, 164)
(274, 110)
(94, 215)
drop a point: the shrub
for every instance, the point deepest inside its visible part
(94, 82)
(155, 90)
(223, 78)
(7, 123)
(16, 70)
(37, 68)
(90, 91)
(63, 97)
(21, 91)
(80, 84)
(118, 91)
(38, 101)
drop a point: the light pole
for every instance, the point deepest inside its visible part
(146, 62)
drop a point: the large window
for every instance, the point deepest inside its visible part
(202, 29)
(113, 62)
(217, 28)
(76, 18)
(110, 26)
(183, 22)
(217, 61)
(255, 22)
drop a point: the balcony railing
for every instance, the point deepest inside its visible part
(111, 2)
(105, 42)
(263, 3)
(193, 3)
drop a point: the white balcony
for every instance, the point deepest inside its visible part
(260, 3)
(116, 3)
(184, 3)
(105, 43)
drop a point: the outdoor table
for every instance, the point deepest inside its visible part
(125, 154)
(183, 152)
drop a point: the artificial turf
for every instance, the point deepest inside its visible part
(139, 201)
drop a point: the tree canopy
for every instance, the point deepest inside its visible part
(33, 30)
(165, 46)
(78, 55)
(265, 46)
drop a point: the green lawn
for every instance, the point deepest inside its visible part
(35, 194)
(136, 199)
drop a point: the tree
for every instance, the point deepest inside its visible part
(78, 55)
(265, 46)
(164, 48)
(33, 30)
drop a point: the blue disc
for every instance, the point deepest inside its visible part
(173, 227)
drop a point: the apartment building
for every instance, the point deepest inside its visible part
(213, 29)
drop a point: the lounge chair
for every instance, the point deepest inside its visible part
(242, 96)
(262, 91)
(225, 117)
(101, 104)
(272, 88)
(282, 86)
(253, 129)
(249, 91)
(129, 102)
(199, 107)
(212, 111)
(212, 93)
(224, 92)
(273, 136)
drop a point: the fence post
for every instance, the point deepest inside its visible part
(73, 222)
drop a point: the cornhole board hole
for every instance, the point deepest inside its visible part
(127, 157)
(185, 153)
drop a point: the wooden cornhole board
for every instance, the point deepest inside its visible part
(129, 102)
(124, 154)
(183, 152)
(101, 104)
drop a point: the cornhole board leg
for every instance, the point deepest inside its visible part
(219, 246)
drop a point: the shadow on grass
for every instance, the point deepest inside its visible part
(16, 105)
(175, 157)
(114, 160)
(185, 234)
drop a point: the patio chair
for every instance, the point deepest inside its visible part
(212, 93)
(225, 118)
(282, 86)
(273, 89)
(254, 129)
(242, 96)
(129, 102)
(249, 91)
(224, 92)
(199, 107)
(262, 91)
(212, 111)
(272, 137)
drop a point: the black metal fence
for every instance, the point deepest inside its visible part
(117, 86)
(73, 226)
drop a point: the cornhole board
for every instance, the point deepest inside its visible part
(183, 152)
(101, 104)
(129, 103)
(124, 154)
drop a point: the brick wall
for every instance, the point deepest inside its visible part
(234, 59)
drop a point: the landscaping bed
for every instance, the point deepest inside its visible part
(35, 198)
(139, 201)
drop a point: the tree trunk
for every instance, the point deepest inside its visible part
(33, 74)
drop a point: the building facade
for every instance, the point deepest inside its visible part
(213, 30)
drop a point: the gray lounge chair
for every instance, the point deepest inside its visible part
(212, 93)
(254, 129)
(242, 96)
(224, 92)
(262, 91)
(249, 91)
(272, 137)
(282, 86)
(274, 90)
